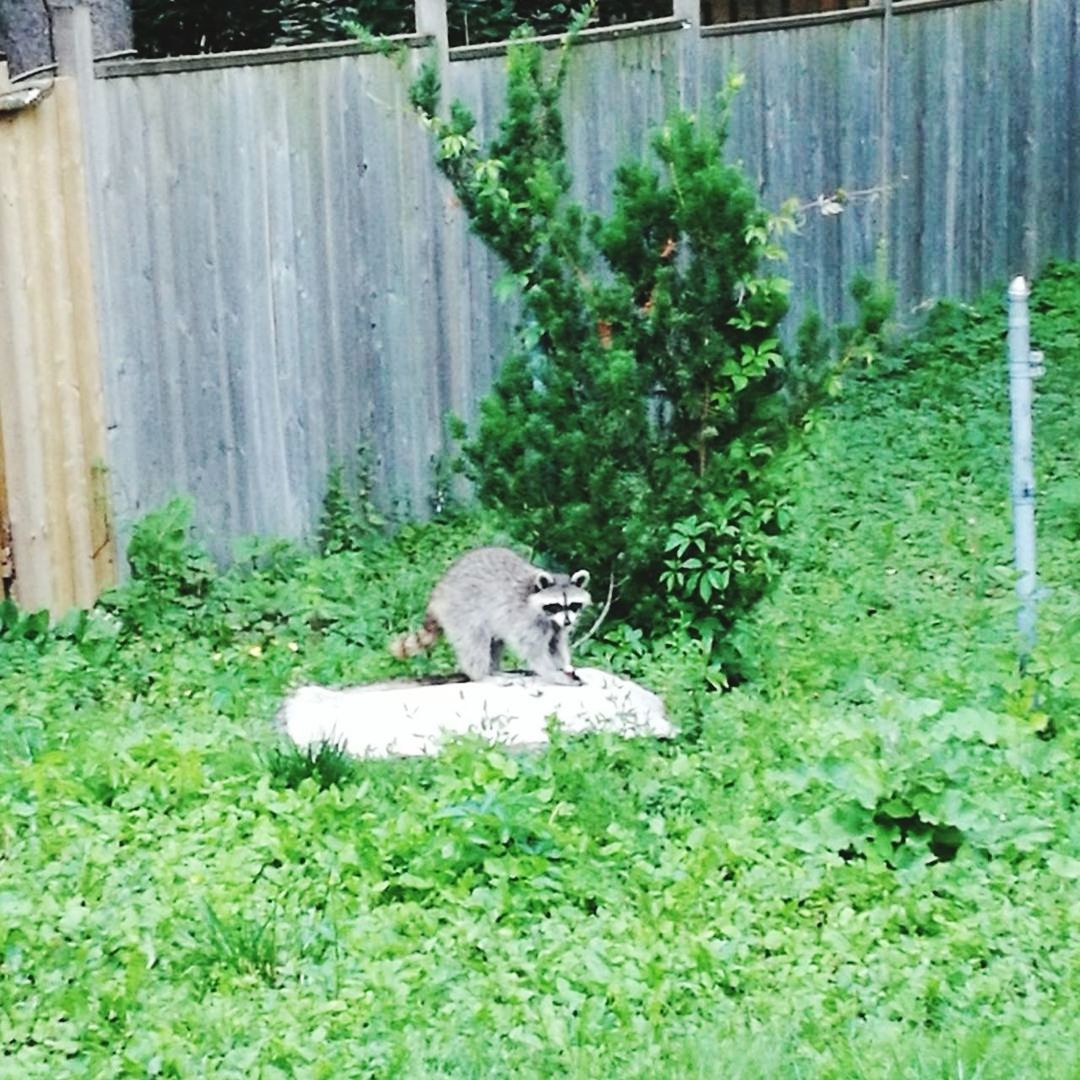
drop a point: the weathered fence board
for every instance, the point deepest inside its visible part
(283, 276)
(982, 110)
(51, 422)
(281, 304)
(807, 123)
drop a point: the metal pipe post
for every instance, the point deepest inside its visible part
(1024, 366)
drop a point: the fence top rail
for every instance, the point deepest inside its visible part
(906, 7)
(14, 98)
(111, 67)
(281, 54)
(586, 36)
(793, 22)
(32, 74)
(875, 9)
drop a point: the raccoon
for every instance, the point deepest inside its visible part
(491, 597)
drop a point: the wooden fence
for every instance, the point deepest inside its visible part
(55, 543)
(281, 275)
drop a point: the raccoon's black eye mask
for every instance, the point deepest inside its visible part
(555, 608)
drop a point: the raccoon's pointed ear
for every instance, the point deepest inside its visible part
(543, 580)
(580, 578)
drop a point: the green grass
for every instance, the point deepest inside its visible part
(862, 862)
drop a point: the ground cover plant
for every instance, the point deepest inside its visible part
(862, 862)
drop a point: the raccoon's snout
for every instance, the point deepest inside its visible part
(562, 614)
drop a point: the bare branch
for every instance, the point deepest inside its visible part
(835, 202)
(603, 614)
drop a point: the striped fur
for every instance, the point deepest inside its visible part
(416, 641)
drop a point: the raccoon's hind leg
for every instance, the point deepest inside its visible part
(496, 655)
(475, 651)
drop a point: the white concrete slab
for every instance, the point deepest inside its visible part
(407, 717)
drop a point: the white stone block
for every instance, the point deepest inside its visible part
(407, 717)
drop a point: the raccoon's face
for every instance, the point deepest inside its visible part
(560, 600)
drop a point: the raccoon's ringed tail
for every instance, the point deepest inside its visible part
(417, 641)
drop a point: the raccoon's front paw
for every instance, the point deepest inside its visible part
(568, 677)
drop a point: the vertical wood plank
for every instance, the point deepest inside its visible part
(51, 422)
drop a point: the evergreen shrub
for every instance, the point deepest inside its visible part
(631, 428)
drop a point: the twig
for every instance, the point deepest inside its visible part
(603, 614)
(829, 205)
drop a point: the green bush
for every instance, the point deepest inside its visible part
(908, 782)
(172, 576)
(350, 520)
(632, 428)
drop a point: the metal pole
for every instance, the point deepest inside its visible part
(1024, 366)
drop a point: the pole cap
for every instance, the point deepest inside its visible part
(1018, 288)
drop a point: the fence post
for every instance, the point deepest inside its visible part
(885, 151)
(431, 19)
(689, 11)
(7, 561)
(1024, 366)
(53, 424)
(73, 45)
(73, 39)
